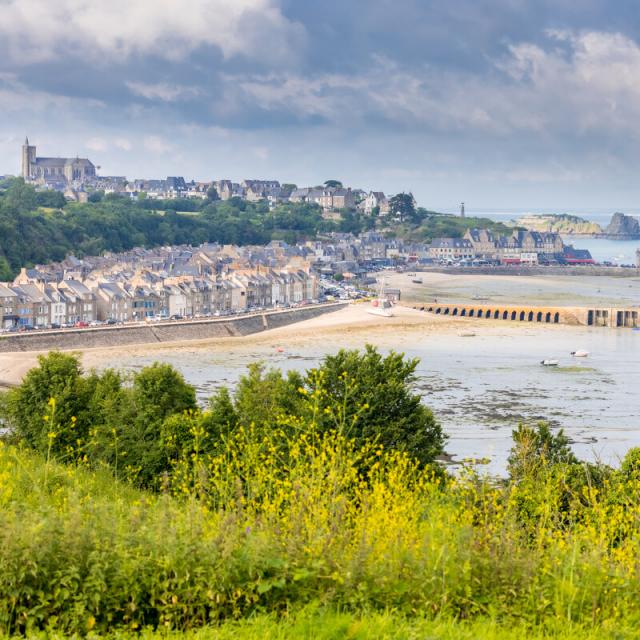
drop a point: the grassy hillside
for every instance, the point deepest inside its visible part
(437, 225)
(331, 625)
(242, 536)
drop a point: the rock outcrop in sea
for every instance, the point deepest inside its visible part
(623, 227)
(559, 223)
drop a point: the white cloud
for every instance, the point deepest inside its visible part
(37, 30)
(162, 91)
(262, 153)
(579, 83)
(157, 144)
(16, 97)
(122, 143)
(97, 144)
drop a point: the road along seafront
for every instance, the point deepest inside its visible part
(151, 332)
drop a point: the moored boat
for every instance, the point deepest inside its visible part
(549, 363)
(381, 305)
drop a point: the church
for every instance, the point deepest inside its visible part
(52, 171)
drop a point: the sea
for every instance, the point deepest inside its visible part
(614, 251)
(481, 387)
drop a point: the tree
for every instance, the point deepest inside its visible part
(333, 183)
(369, 397)
(222, 417)
(535, 448)
(158, 391)
(6, 272)
(20, 196)
(49, 411)
(50, 199)
(262, 395)
(212, 194)
(403, 207)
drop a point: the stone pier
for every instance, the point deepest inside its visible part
(586, 316)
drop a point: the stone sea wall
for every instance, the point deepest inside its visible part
(118, 336)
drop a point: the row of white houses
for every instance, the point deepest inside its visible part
(26, 303)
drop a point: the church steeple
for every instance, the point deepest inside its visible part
(28, 158)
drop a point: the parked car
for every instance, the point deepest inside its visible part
(81, 324)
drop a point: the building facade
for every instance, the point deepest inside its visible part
(54, 170)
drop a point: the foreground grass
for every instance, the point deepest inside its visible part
(338, 626)
(244, 543)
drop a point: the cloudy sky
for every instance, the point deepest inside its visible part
(501, 103)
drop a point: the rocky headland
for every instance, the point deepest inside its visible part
(621, 227)
(559, 223)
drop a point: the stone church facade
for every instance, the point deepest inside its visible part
(55, 170)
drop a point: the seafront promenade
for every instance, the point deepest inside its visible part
(147, 333)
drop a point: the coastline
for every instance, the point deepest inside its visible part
(352, 324)
(477, 375)
(351, 321)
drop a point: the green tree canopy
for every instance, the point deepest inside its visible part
(49, 411)
(364, 395)
(370, 397)
(403, 207)
(535, 448)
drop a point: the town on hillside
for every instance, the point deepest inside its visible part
(177, 282)
(180, 282)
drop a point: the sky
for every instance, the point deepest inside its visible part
(498, 103)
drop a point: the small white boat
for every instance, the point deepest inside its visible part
(467, 334)
(381, 305)
(581, 353)
(549, 363)
(417, 281)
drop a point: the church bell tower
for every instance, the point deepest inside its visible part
(28, 158)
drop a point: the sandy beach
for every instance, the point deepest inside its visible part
(351, 321)
(354, 325)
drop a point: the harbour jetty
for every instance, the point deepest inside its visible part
(585, 316)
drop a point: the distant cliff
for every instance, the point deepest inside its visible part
(564, 224)
(623, 227)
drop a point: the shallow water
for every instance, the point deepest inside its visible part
(481, 387)
(531, 290)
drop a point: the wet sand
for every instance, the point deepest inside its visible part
(562, 291)
(352, 321)
(352, 325)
